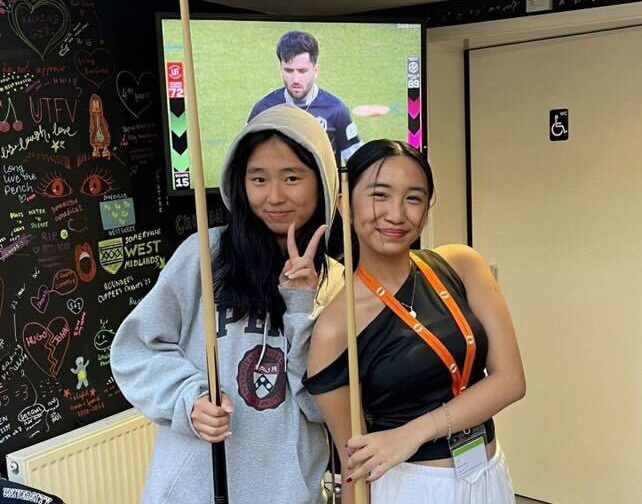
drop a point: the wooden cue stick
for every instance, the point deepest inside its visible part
(207, 286)
(353, 358)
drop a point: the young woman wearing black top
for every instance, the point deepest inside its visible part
(438, 356)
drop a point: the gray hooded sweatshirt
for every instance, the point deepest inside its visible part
(278, 450)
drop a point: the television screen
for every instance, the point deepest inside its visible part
(361, 80)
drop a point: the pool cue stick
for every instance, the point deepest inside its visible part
(207, 286)
(353, 358)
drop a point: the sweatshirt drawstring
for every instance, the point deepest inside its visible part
(264, 344)
(284, 344)
(285, 350)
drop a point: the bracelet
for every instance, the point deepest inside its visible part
(448, 421)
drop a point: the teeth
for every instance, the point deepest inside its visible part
(84, 255)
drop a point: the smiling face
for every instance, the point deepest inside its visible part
(280, 188)
(390, 206)
(103, 339)
(299, 75)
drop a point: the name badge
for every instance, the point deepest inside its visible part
(468, 450)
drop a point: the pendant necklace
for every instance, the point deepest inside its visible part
(410, 308)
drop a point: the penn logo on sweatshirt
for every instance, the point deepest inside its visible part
(262, 384)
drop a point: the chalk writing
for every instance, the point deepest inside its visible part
(85, 402)
(96, 66)
(69, 38)
(13, 81)
(80, 325)
(18, 244)
(17, 182)
(41, 134)
(53, 109)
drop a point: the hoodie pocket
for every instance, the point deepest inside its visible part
(266, 473)
(191, 481)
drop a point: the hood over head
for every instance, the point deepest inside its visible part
(304, 129)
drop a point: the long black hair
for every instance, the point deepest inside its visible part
(377, 151)
(249, 259)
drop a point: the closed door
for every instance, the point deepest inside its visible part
(562, 220)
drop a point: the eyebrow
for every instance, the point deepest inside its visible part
(287, 169)
(388, 186)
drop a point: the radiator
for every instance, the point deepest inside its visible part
(104, 462)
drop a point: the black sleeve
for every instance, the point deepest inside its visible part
(334, 376)
(346, 134)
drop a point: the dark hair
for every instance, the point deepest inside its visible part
(293, 43)
(378, 151)
(249, 259)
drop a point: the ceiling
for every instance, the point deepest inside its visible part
(318, 7)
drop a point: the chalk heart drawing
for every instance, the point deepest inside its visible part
(41, 300)
(47, 346)
(135, 92)
(24, 15)
(96, 66)
(75, 305)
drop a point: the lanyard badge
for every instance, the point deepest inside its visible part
(468, 450)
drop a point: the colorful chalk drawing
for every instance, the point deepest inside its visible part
(99, 136)
(76, 305)
(16, 124)
(85, 263)
(64, 282)
(117, 213)
(42, 25)
(81, 372)
(110, 254)
(102, 341)
(47, 346)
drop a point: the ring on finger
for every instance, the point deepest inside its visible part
(374, 473)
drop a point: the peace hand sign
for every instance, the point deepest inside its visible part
(299, 271)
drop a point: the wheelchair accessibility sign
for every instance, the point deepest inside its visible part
(558, 124)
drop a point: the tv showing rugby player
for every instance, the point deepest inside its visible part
(298, 54)
(354, 77)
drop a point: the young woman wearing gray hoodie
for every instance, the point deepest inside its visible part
(271, 280)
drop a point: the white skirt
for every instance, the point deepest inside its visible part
(418, 484)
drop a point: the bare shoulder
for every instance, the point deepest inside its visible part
(329, 335)
(465, 260)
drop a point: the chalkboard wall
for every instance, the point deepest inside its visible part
(85, 223)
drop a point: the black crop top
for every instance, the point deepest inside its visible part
(401, 376)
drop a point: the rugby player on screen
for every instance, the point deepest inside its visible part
(298, 53)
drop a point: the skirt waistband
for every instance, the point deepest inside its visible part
(449, 472)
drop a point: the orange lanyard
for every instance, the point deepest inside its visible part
(459, 382)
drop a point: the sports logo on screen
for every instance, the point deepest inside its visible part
(414, 102)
